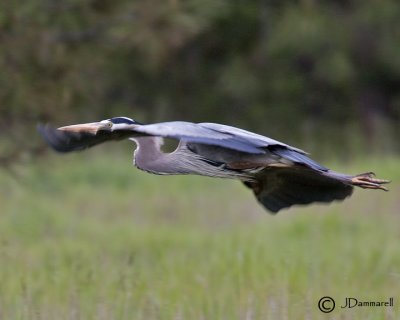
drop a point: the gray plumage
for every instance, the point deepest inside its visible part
(279, 175)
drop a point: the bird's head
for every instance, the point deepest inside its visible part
(116, 123)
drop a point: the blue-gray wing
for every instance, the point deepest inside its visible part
(67, 141)
(197, 133)
(228, 137)
(250, 137)
(283, 150)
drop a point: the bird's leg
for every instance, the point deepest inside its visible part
(368, 181)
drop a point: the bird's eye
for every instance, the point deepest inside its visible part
(107, 123)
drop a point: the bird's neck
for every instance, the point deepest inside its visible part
(148, 148)
(149, 157)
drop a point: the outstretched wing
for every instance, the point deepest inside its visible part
(250, 137)
(196, 133)
(78, 139)
(281, 149)
(277, 188)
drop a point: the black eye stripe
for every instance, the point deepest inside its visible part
(118, 120)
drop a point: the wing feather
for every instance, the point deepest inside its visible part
(279, 188)
(64, 141)
(250, 137)
(195, 133)
(297, 157)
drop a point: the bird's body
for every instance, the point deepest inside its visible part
(279, 175)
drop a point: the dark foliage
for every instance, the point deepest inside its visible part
(303, 71)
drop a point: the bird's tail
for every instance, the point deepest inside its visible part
(365, 180)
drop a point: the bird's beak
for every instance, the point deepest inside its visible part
(92, 127)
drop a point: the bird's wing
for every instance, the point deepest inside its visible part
(198, 133)
(202, 133)
(281, 187)
(281, 149)
(250, 137)
(66, 141)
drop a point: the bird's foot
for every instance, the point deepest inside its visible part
(368, 181)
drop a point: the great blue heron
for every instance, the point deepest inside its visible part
(279, 175)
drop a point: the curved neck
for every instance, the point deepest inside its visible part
(148, 148)
(149, 157)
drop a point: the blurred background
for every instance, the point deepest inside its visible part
(86, 236)
(323, 75)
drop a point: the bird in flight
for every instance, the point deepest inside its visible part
(279, 175)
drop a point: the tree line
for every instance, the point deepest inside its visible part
(304, 71)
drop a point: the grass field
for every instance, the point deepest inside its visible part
(96, 239)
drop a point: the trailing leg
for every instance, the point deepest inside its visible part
(368, 181)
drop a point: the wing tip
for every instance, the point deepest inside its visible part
(276, 204)
(57, 140)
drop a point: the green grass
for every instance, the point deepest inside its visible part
(96, 239)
